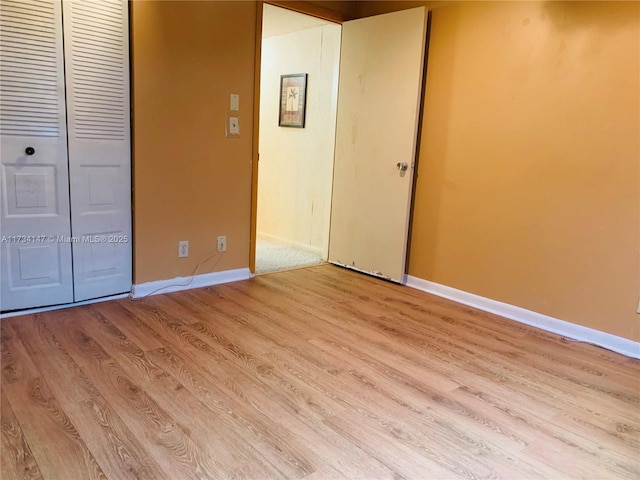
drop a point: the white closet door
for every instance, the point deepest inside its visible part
(96, 36)
(35, 258)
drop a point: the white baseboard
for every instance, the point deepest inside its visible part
(571, 330)
(187, 283)
(50, 308)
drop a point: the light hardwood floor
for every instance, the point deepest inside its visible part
(317, 373)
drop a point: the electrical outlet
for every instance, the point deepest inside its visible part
(222, 243)
(183, 248)
(234, 126)
(638, 310)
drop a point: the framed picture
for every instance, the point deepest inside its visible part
(293, 100)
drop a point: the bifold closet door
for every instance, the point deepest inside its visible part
(96, 36)
(65, 152)
(35, 253)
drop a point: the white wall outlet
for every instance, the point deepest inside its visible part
(222, 243)
(638, 310)
(234, 126)
(183, 248)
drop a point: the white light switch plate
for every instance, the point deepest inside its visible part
(234, 102)
(234, 126)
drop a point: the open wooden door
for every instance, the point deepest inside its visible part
(378, 106)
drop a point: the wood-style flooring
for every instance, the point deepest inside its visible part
(317, 373)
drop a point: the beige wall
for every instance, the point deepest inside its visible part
(296, 165)
(528, 187)
(190, 182)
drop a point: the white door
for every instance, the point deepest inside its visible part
(35, 253)
(380, 87)
(97, 75)
(66, 222)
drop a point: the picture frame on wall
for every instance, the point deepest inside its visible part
(293, 100)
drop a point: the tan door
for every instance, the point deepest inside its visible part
(380, 86)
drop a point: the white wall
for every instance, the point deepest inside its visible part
(296, 164)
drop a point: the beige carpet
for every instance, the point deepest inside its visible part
(273, 257)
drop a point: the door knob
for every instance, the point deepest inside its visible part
(30, 150)
(402, 166)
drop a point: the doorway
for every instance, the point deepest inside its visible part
(295, 170)
(375, 142)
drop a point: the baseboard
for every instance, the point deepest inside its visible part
(50, 308)
(300, 246)
(567, 329)
(187, 283)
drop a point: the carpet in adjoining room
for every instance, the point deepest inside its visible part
(272, 257)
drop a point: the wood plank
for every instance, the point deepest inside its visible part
(481, 358)
(166, 440)
(114, 447)
(276, 443)
(295, 446)
(119, 346)
(223, 392)
(52, 360)
(313, 373)
(254, 321)
(16, 459)
(424, 412)
(137, 331)
(215, 437)
(17, 365)
(270, 435)
(56, 444)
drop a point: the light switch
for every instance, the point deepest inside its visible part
(234, 102)
(234, 126)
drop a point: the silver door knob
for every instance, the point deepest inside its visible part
(402, 166)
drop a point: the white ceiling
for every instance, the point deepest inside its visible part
(278, 21)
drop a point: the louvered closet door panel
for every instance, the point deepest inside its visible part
(35, 253)
(97, 76)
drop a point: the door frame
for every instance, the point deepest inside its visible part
(295, 6)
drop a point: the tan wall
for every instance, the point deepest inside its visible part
(528, 188)
(296, 164)
(190, 182)
(529, 175)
